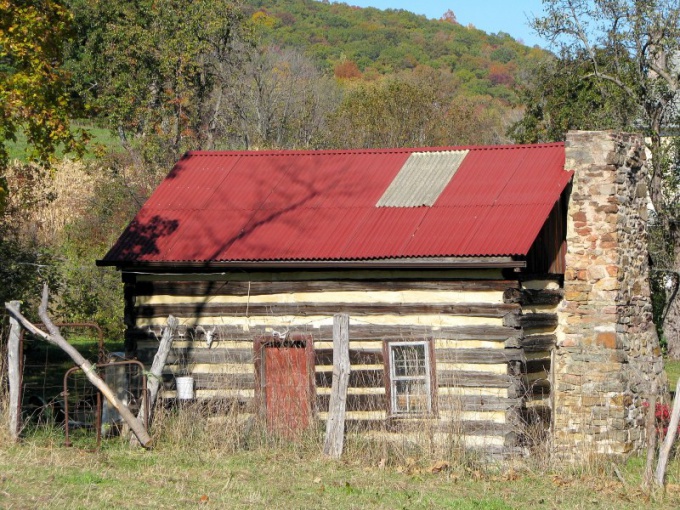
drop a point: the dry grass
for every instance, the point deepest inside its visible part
(42, 474)
(46, 201)
(220, 456)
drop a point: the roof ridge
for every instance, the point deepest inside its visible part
(396, 150)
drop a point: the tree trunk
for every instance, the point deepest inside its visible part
(54, 337)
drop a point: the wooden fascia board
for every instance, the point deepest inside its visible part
(394, 263)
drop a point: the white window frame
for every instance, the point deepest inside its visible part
(394, 378)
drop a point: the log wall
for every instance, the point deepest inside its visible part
(492, 338)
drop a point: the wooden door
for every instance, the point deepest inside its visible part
(286, 391)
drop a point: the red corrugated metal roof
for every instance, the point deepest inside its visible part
(311, 206)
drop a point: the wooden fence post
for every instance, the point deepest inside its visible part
(335, 427)
(668, 441)
(13, 366)
(652, 436)
(159, 360)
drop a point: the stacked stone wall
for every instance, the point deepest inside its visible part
(607, 354)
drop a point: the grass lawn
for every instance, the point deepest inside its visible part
(41, 473)
(99, 137)
(672, 371)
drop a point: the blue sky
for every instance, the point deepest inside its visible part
(492, 16)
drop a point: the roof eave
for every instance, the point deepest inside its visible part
(387, 263)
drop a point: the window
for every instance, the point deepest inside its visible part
(410, 383)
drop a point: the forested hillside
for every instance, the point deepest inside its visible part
(371, 42)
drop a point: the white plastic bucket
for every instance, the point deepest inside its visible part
(185, 387)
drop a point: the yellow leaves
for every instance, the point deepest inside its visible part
(33, 85)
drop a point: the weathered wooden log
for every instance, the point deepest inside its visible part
(528, 297)
(14, 374)
(538, 343)
(668, 441)
(192, 356)
(478, 403)
(335, 426)
(354, 402)
(54, 337)
(466, 379)
(261, 288)
(480, 356)
(531, 320)
(358, 332)
(159, 361)
(487, 310)
(357, 379)
(244, 381)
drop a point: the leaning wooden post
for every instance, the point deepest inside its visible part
(652, 436)
(13, 366)
(154, 378)
(668, 441)
(54, 337)
(335, 428)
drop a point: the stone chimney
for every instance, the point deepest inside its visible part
(607, 352)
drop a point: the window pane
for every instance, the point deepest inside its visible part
(409, 360)
(411, 397)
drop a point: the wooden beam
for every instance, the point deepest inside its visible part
(480, 356)
(259, 288)
(527, 297)
(154, 378)
(335, 426)
(477, 403)
(460, 378)
(488, 310)
(538, 343)
(14, 375)
(531, 321)
(358, 332)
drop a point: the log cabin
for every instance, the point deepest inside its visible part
(452, 264)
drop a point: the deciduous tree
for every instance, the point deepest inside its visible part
(33, 83)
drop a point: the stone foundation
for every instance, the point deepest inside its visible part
(607, 353)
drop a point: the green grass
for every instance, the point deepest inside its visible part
(100, 138)
(42, 474)
(672, 371)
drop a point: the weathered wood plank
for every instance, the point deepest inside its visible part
(14, 374)
(357, 379)
(526, 297)
(335, 425)
(189, 355)
(477, 403)
(357, 332)
(325, 356)
(455, 428)
(465, 379)
(373, 402)
(481, 356)
(538, 343)
(214, 381)
(531, 320)
(232, 288)
(487, 310)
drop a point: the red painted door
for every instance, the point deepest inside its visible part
(287, 392)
